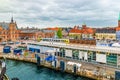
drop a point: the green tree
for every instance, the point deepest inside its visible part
(59, 33)
(39, 39)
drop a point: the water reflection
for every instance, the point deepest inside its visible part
(29, 71)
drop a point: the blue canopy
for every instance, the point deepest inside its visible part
(17, 50)
(50, 58)
(6, 49)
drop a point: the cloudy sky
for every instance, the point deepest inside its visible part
(62, 13)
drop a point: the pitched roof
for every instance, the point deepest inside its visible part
(75, 31)
(56, 28)
(117, 28)
(4, 25)
(29, 31)
(106, 30)
(87, 31)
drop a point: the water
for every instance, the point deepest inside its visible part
(29, 71)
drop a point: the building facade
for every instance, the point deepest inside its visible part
(81, 33)
(75, 33)
(9, 31)
(105, 34)
(51, 32)
(30, 33)
(118, 29)
(87, 32)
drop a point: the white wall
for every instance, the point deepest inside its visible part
(85, 56)
(100, 57)
(81, 54)
(68, 53)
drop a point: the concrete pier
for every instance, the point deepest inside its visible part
(86, 69)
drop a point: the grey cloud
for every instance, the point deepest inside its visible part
(61, 12)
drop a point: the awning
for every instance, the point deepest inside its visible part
(116, 45)
(50, 58)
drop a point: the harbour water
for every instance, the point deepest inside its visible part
(29, 71)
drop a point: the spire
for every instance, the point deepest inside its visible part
(119, 16)
(12, 20)
(84, 25)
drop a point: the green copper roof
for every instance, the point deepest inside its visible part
(84, 23)
(119, 16)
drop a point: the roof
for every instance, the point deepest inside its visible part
(29, 31)
(119, 16)
(106, 30)
(87, 31)
(56, 28)
(4, 25)
(75, 30)
(117, 28)
(48, 31)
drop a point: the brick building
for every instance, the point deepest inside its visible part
(9, 31)
(83, 32)
(30, 33)
(105, 34)
(50, 32)
(82, 35)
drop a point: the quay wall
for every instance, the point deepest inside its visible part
(83, 71)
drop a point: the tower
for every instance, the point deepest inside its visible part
(12, 24)
(12, 20)
(119, 20)
(84, 26)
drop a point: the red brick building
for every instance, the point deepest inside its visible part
(9, 31)
(81, 32)
(30, 33)
(50, 32)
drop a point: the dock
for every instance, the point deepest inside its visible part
(84, 71)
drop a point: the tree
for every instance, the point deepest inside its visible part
(59, 33)
(39, 39)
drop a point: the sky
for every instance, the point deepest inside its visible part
(60, 13)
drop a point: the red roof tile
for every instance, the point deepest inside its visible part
(87, 31)
(117, 28)
(84, 30)
(75, 31)
(56, 28)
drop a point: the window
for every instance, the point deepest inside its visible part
(112, 59)
(75, 54)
